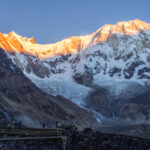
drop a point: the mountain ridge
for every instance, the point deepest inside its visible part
(15, 43)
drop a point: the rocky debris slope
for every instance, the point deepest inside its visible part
(23, 101)
(134, 109)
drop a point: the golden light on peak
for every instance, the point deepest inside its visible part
(15, 43)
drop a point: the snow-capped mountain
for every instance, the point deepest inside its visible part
(114, 57)
(15, 43)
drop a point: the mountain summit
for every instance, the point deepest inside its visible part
(15, 43)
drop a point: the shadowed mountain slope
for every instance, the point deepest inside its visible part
(23, 101)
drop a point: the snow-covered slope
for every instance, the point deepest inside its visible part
(114, 52)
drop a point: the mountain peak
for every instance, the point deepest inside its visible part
(12, 33)
(32, 40)
(15, 43)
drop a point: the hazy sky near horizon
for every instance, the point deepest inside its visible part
(53, 20)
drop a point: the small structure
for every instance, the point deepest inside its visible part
(29, 138)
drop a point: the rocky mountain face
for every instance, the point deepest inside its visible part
(106, 72)
(128, 110)
(21, 100)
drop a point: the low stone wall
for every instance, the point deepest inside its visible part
(31, 139)
(32, 144)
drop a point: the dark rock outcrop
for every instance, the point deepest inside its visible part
(98, 101)
(137, 109)
(134, 109)
(84, 79)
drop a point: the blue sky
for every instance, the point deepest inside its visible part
(53, 20)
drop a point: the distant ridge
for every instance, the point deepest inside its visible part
(15, 43)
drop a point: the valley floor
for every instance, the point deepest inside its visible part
(95, 140)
